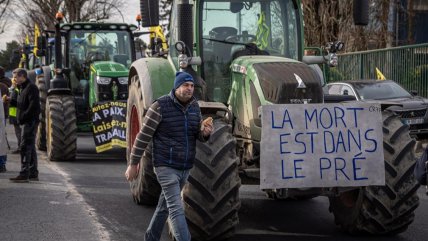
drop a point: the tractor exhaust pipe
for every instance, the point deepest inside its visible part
(185, 24)
(149, 10)
(58, 85)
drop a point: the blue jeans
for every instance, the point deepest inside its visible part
(171, 181)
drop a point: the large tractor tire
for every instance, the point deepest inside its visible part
(385, 209)
(145, 188)
(61, 128)
(211, 196)
(41, 132)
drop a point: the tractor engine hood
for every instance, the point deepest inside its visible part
(282, 80)
(109, 69)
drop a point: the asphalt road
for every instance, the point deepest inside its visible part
(89, 199)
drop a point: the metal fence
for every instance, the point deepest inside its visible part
(407, 65)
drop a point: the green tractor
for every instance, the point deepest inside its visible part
(90, 66)
(243, 55)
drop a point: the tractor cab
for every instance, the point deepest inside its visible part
(230, 29)
(98, 56)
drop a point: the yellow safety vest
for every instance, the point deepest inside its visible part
(12, 109)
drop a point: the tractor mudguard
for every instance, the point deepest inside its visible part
(156, 77)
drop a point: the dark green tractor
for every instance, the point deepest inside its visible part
(90, 66)
(243, 55)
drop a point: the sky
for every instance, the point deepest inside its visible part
(129, 11)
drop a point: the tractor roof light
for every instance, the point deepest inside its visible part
(66, 27)
(138, 19)
(59, 16)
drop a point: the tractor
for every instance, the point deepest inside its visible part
(90, 66)
(244, 55)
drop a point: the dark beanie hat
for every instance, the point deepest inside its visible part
(181, 78)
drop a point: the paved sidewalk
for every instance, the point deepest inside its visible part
(48, 209)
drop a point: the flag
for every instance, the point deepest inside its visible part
(27, 40)
(379, 75)
(36, 36)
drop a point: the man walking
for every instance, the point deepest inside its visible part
(173, 123)
(28, 110)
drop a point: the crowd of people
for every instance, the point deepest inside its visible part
(21, 105)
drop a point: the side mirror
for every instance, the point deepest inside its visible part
(414, 92)
(361, 12)
(149, 12)
(236, 7)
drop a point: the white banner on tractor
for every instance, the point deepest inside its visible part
(321, 145)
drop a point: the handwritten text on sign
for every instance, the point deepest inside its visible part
(321, 145)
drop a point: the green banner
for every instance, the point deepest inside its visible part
(109, 125)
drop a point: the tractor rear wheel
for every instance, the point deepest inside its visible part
(211, 196)
(41, 132)
(385, 209)
(145, 188)
(61, 128)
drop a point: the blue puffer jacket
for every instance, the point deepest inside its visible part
(174, 142)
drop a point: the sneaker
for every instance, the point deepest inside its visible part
(3, 168)
(19, 179)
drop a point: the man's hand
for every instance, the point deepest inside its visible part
(5, 98)
(207, 126)
(131, 172)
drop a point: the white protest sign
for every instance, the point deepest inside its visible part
(321, 145)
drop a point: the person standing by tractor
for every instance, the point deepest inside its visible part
(173, 123)
(3, 144)
(3, 79)
(13, 102)
(28, 110)
(5, 84)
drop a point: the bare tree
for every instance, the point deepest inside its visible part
(42, 12)
(3, 8)
(329, 20)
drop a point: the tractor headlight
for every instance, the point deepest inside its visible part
(103, 80)
(123, 80)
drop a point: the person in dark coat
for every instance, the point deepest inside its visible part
(28, 110)
(5, 84)
(13, 120)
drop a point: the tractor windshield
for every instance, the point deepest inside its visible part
(86, 47)
(269, 24)
(234, 28)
